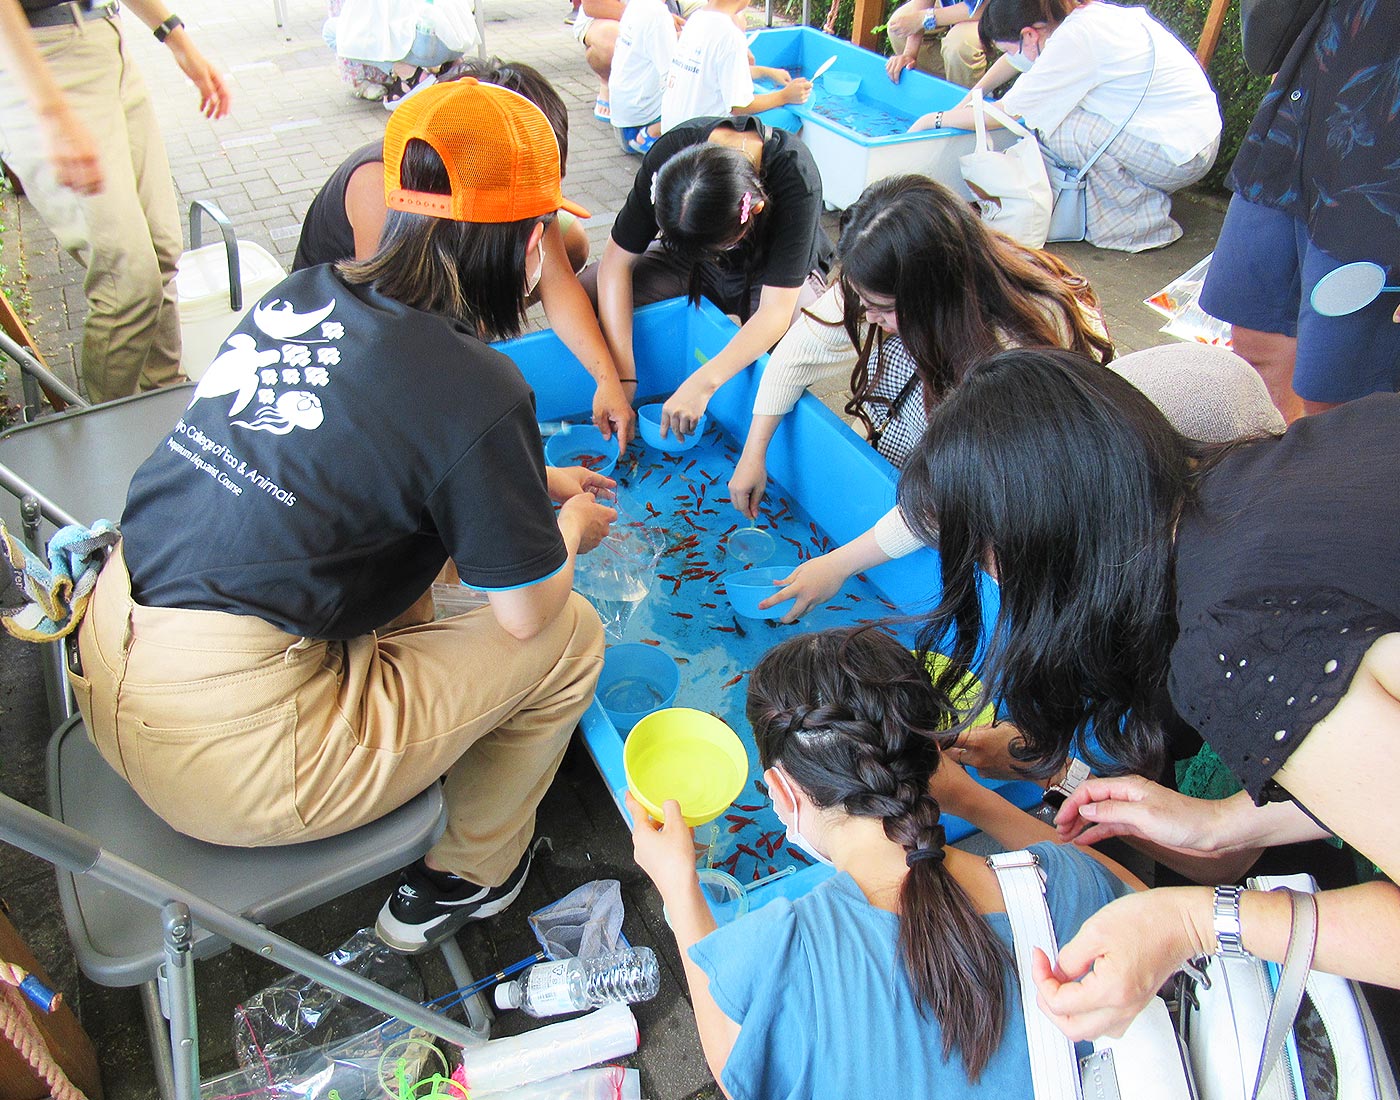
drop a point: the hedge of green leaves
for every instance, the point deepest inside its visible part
(1238, 89)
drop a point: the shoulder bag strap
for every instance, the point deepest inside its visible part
(1288, 997)
(1151, 72)
(1001, 116)
(1054, 1067)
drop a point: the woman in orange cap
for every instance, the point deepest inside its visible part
(260, 659)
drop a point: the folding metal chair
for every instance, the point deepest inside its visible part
(132, 926)
(128, 925)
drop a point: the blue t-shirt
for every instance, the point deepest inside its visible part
(826, 1007)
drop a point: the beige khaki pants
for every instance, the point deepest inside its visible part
(128, 235)
(237, 733)
(964, 60)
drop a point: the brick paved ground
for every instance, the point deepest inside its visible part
(292, 123)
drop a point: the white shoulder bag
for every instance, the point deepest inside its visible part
(1235, 1016)
(1010, 186)
(1145, 1064)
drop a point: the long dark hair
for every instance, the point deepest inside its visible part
(1068, 479)
(701, 209)
(962, 291)
(1003, 20)
(851, 717)
(470, 271)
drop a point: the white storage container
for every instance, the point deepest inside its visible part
(217, 285)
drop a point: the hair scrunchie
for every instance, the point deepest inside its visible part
(932, 851)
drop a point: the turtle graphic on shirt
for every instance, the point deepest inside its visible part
(235, 371)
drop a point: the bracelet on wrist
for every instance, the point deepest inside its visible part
(167, 27)
(1229, 942)
(1075, 773)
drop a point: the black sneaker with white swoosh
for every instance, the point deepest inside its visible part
(429, 906)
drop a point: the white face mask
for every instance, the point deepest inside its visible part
(1019, 61)
(532, 281)
(794, 831)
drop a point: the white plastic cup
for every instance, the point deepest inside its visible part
(501, 1064)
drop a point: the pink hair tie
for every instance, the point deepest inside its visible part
(745, 208)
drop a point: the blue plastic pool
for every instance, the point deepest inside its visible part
(826, 487)
(858, 139)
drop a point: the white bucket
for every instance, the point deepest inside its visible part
(207, 313)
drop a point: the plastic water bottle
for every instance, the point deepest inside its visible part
(576, 985)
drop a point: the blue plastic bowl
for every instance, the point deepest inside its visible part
(747, 587)
(636, 680)
(649, 423)
(582, 445)
(843, 84)
(781, 118)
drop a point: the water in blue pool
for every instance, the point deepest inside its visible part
(860, 115)
(683, 497)
(853, 112)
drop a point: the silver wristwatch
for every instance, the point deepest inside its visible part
(1075, 774)
(1228, 937)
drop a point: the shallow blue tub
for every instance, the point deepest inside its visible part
(826, 487)
(858, 139)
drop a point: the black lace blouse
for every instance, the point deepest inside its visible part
(1287, 573)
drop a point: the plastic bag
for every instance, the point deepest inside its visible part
(299, 1039)
(583, 924)
(1186, 320)
(375, 30)
(618, 573)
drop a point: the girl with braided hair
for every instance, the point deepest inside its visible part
(897, 968)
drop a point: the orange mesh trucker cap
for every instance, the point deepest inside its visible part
(501, 156)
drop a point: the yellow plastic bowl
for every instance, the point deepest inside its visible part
(687, 755)
(968, 692)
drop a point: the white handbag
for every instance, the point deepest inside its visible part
(1010, 186)
(1228, 1012)
(1145, 1064)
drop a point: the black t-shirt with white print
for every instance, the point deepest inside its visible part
(790, 243)
(338, 450)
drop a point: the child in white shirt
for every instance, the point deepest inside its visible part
(711, 72)
(646, 39)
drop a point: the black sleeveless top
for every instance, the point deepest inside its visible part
(326, 234)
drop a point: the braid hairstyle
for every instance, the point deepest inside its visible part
(851, 717)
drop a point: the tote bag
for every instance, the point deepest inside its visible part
(1010, 186)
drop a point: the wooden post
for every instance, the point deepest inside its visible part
(15, 329)
(1210, 33)
(868, 15)
(67, 1041)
